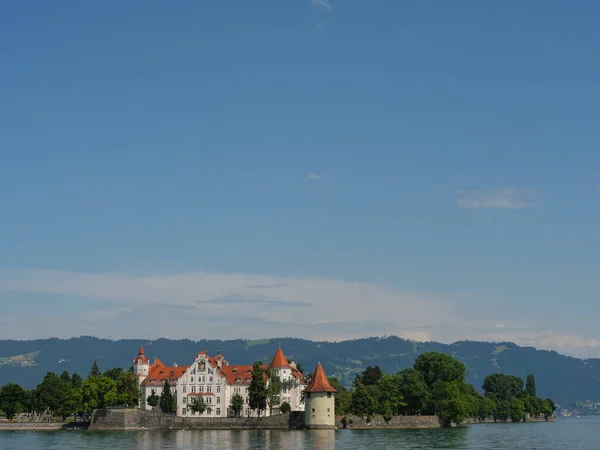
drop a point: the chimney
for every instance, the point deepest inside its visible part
(293, 365)
(175, 364)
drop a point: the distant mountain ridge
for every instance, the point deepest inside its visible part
(565, 379)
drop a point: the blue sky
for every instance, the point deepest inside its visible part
(325, 169)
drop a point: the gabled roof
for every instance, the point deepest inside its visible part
(240, 375)
(279, 360)
(319, 382)
(159, 373)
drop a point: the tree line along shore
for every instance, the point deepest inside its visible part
(435, 385)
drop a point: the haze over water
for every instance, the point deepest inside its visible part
(568, 433)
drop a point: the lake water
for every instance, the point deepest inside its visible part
(570, 433)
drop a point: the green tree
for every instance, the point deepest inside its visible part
(257, 391)
(300, 368)
(113, 374)
(273, 390)
(414, 390)
(517, 409)
(153, 399)
(95, 372)
(343, 398)
(76, 380)
(285, 407)
(486, 408)
(501, 409)
(12, 399)
(168, 402)
(65, 377)
(52, 394)
(128, 391)
(530, 386)
(551, 405)
(503, 386)
(435, 366)
(197, 405)
(452, 405)
(371, 375)
(99, 392)
(363, 405)
(390, 394)
(236, 404)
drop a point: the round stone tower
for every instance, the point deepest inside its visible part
(320, 401)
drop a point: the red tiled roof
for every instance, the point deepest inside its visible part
(159, 373)
(279, 360)
(141, 357)
(319, 382)
(241, 373)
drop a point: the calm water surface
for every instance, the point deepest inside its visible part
(571, 433)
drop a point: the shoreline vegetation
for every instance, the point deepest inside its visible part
(434, 387)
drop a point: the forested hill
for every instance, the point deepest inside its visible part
(564, 379)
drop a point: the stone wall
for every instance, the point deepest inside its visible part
(31, 425)
(396, 422)
(135, 419)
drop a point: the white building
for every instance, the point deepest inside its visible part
(216, 382)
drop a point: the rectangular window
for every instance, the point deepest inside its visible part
(183, 411)
(193, 388)
(184, 399)
(218, 399)
(191, 379)
(218, 388)
(184, 389)
(208, 388)
(329, 395)
(308, 395)
(218, 411)
(210, 379)
(201, 389)
(313, 410)
(328, 410)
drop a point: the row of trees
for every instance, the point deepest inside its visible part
(65, 395)
(436, 385)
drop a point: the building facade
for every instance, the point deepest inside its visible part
(213, 379)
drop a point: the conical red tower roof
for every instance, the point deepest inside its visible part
(319, 382)
(279, 360)
(141, 351)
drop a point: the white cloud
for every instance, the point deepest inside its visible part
(505, 197)
(322, 4)
(314, 176)
(198, 305)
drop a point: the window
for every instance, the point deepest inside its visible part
(201, 389)
(218, 389)
(193, 388)
(191, 379)
(183, 411)
(328, 410)
(210, 379)
(209, 400)
(329, 395)
(218, 399)
(313, 410)
(208, 388)
(208, 411)
(184, 389)
(308, 395)
(218, 411)
(247, 388)
(184, 400)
